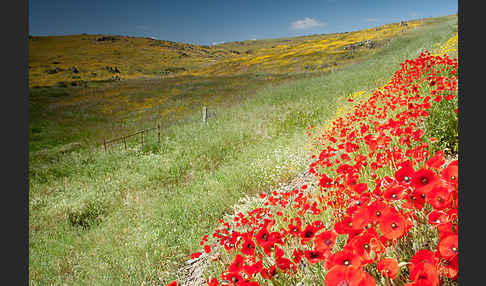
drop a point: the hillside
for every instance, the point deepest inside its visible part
(76, 58)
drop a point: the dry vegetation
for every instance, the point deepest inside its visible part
(51, 59)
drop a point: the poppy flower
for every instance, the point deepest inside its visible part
(345, 257)
(294, 229)
(388, 267)
(451, 267)
(173, 283)
(343, 275)
(440, 197)
(448, 246)
(361, 218)
(195, 255)
(420, 257)
(212, 282)
(414, 200)
(325, 240)
(436, 161)
(275, 237)
(283, 263)
(262, 237)
(314, 256)
(207, 248)
(269, 273)
(361, 245)
(308, 233)
(359, 188)
(424, 180)
(394, 193)
(237, 264)
(297, 255)
(378, 210)
(425, 274)
(254, 268)
(446, 229)
(345, 226)
(325, 181)
(232, 277)
(393, 226)
(437, 217)
(248, 247)
(450, 174)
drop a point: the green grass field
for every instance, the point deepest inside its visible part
(132, 217)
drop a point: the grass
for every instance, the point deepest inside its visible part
(125, 218)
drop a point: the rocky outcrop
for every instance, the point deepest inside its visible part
(112, 69)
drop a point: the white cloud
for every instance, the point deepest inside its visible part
(371, 20)
(306, 24)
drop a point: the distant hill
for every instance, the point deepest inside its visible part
(65, 59)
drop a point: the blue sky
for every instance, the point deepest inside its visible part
(207, 22)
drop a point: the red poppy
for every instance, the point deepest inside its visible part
(325, 181)
(359, 188)
(173, 283)
(314, 256)
(237, 264)
(436, 161)
(414, 200)
(212, 282)
(207, 248)
(424, 274)
(308, 233)
(251, 269)
(294, 229)
(325, 240)
(283, 263)
(345, 226)
(361, 245)
(450, 174)
(248, 247)
(437, 217)
(388, 267)
(451, 267)
(232, 277)
(345, 257)
(420, 257)
(297, 255)
(352, 276)
(269, 273)
(393, 226)
(394, 193)
(446, 229)
(262, 237)
(424, 180)
(378, 210)
(448, 246)
(279, 251)
(361, 217)
(405, 173)
(195, 255)
(440, 197)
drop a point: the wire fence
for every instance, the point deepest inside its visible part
(142, 136)
(121, 142)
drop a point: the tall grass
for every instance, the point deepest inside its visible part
(131, 218)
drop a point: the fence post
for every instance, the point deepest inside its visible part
(125, 142)
(142, 139)
(104, 143)
(158, 130)
(205, 114)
